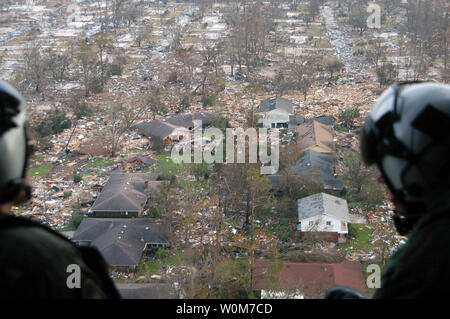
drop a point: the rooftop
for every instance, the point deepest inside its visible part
(121, 241)
(125, 192)
(323, 204)
(276, 103)
(315, 134)
(321, 164)
(312, 279)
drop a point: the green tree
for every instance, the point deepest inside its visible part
(349, 116)
(361, 183)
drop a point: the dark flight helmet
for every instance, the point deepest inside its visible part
(14, 147)
(407, 135)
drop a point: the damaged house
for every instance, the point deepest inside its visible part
(320, 167)
(323, 215)
(278, 113)
(170, 128)
(122, 241)
(315, 136)
(125, 195)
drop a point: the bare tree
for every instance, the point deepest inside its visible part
(35, 67)
(332, 65)
(120, 120)
(86, 59)
(152, 100)
(302, 73)
(312, 11)
(358, 17)
(103, 43)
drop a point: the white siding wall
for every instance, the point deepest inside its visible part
(274, 116)
(320, 224)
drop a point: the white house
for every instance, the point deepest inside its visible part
(276, 118)
(277, 113)
(323, 213)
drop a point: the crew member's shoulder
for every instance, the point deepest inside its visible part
(34, 253)
(36, 239)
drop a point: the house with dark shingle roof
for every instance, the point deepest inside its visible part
(171, 127)
(158, 128)
(122, 241)
(186, 120)
(323, 213)
(304, 280)
(320, 167)
(125, 195)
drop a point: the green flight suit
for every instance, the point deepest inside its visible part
(421, 268)
(34, 263)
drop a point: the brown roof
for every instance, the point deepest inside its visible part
(312, 279)
(315, 135)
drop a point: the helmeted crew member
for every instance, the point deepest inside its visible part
(407, 135)
(35, 261)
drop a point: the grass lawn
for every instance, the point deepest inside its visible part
(323, 43)
(67, 228)
(315, 30)
(38, 158)
(41, 170)
(361, 234)
(148, 266)
(133, 151)
(168, 167)
(191, 39)
(101, 162)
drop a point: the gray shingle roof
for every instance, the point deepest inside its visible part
(324, 119)
(323, 203)
(121, 241)
(186, 120)
(319, 166)
(163, 128)
(125, 193)
(276, 103)
(297, 119)
(155, 128)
